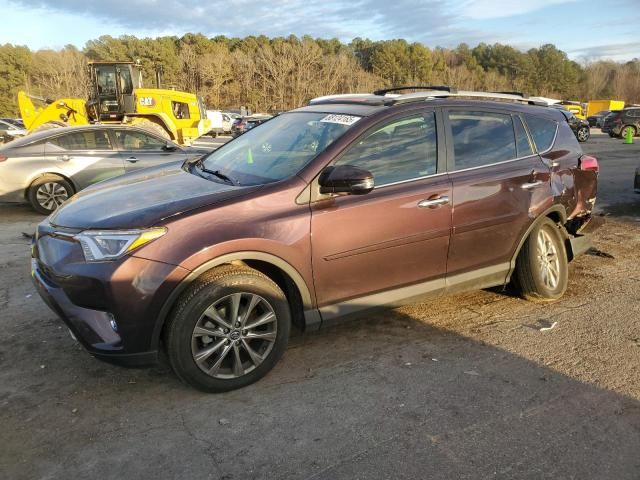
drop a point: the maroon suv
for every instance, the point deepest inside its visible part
(352, 202)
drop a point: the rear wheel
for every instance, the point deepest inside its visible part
(48, 192)
(623, 132)
(228, 329)
(541, 267)
(153, 127)
(583, 134)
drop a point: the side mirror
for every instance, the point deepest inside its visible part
(169, 147)
(346, 179)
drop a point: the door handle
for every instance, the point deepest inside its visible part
(433, 202)
(64, 158)
(132, 159)
(532, 185)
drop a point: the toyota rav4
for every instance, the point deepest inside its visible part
(349, 203)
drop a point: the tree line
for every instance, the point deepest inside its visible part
(276, 74)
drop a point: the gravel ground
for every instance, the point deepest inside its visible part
(471, 386)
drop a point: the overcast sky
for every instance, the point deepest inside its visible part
(585, 29)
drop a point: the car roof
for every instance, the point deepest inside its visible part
(369, 104)
(54, 132)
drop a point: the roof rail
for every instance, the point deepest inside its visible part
(356, 98)
(523, 95)
(417, 96)
(443, 88)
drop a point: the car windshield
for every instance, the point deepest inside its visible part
(278, 148)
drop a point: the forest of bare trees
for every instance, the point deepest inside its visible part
(281, 73)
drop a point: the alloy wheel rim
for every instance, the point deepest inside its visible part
(582, 134)
(548, 260)
(234, 335)
(51, 195)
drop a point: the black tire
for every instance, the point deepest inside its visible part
(211, 289)
(153, 127)
(48, 192)
(583, 134)
(531, 279)
(611, 134)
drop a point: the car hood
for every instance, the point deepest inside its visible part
(142, 199)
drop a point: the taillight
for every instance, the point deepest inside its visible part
(587, 162)
(3, 158)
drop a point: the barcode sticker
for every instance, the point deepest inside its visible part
(341, 119)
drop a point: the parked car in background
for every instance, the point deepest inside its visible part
(14, 121)
(221, 122)
(579, 127)
(597, 119)
(330, 209)
(627, 119)
(608, 123)
(11, 129)
(46, 168)
(247, 123)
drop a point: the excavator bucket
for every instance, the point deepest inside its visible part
(28, 111)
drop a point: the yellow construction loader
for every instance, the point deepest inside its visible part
(117, 96)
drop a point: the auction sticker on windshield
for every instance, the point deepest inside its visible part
(341, 119)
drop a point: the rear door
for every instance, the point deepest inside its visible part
(497, 178)
(139, 149)
(87, 156)
(395, 236)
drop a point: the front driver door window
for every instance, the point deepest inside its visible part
(141, 150)
(384, 241)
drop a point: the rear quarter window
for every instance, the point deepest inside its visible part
(543, 131)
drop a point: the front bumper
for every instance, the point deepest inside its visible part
(110, 307)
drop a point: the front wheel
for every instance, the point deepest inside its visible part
(583, 134)
(541, 267)
(228, 330)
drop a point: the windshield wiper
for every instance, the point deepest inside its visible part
(216, 173)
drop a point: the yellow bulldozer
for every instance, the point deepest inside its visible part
(117, 96)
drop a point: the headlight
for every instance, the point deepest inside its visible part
(104, 245)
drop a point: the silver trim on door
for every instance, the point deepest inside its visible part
(433, 202)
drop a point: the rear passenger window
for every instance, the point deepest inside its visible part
(543, 131)
(402, 150)
(481, 138)
(522, 139)
(87, 140)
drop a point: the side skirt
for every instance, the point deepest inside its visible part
(478, 279)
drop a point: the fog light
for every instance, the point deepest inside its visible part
(112, 322)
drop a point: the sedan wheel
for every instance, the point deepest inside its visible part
(51, 195)
(48, 192)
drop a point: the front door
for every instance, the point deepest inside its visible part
(496, 179)
(388, 244)
(141, 150)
